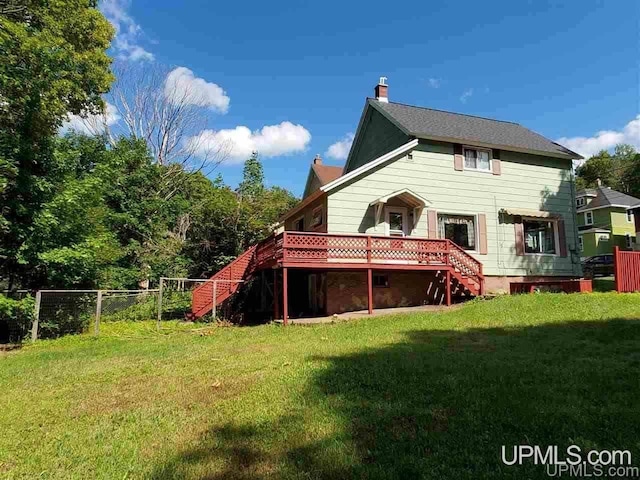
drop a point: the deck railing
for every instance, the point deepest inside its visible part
(301, 248)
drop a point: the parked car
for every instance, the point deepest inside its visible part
(598, 266)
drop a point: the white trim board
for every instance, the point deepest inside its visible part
(370, 165)
(583, 210)
(594, 230)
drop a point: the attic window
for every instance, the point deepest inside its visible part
(477, 159)
(316, 217)
(581, 202)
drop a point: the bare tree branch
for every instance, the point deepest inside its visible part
(167, 116)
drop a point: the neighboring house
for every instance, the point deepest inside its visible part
(605, 221)
(430, 207)
(635, 210)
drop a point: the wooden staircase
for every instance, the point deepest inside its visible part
(462, 287)
(466, 272)
(228, 283)
(316, 250)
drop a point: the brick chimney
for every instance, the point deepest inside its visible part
(317, 160)
(381, 90)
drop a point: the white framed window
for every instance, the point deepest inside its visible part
(629, 216)
(460, 229)
(628, 241)
(603, 237)
(588, 218)
(540, 237)
(477, 159)
(581, 202)
(397, 221)
(581, 243)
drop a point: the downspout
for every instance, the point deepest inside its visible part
(575, 255)
(498, 234)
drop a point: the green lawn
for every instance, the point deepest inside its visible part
(604, 284)
(407, 396)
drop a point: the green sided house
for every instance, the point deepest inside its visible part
(605, 220)
(431, 207)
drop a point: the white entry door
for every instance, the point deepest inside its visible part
(396, 221)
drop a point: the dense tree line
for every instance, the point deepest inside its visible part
(112, 220)
(619, 170)
(101, 211)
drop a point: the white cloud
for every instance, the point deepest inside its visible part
(340, 149)
(92, 124)
(128, 32)
(270, 141)
(466, 94)
(183, 87)
(604, 140)
(434, 82)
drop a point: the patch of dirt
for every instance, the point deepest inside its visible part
(141, 392)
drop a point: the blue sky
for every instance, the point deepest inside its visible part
(566, 69)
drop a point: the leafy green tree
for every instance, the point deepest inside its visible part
(252, 184)
(615, 170)
(54, 62)
(599, 167)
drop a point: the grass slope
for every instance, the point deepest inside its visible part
(409, 396)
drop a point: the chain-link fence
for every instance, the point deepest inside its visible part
(196, 299)
(54, 313)
(129, 305)
(65, 312)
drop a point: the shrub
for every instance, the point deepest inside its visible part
(16, 318)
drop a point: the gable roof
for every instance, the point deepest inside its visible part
(607, 197)
(370, 165)
(326, 173)
(440, 125)
(320, 175)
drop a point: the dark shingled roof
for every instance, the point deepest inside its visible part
(437, 124)
(607, 197)
(327, 173)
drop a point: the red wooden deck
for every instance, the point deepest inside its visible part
(361, 252)
(334, 251)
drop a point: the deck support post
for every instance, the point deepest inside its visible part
(276, 295)
(370, 290)
(448, 287)
(285, 295)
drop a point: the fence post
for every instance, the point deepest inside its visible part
(213, 309)
(160, 303)
(617, 274)
(96, 329)
(36, 317)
